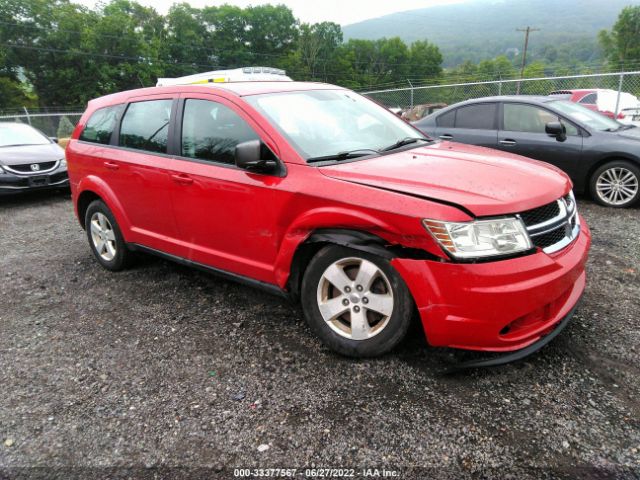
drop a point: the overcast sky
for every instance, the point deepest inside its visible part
(313, 11)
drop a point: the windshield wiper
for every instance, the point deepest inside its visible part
(360, 152)
(403, 142)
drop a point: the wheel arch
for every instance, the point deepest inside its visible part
(93, 188)
(352, 238)
(84, 200)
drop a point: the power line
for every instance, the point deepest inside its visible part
(195, 46)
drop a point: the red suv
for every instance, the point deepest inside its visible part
(316, 193)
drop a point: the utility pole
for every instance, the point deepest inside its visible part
(526, 31)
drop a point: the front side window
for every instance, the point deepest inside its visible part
(101, 124)
(531, 119)
(211, 131)
(481, 116)
(145, 126)
(322, 123)
(526, 118)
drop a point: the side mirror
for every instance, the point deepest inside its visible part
(248, 156)
(556, 129)
(54, 139)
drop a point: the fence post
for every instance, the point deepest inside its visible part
(411, 85)
(619, 91)
(27, 114)
(500, 86)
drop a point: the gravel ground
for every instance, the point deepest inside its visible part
(162, 371)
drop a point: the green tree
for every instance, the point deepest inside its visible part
(425, 59)
(187, 45)
(14, 94)
(621, 45)
(317, 46)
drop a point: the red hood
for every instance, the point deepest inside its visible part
(484, 181)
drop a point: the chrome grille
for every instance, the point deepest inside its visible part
(553, 226)
(29, 169)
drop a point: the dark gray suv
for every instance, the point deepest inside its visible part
(601, 155)
(29, 160)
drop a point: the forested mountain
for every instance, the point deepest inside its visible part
(478, 29)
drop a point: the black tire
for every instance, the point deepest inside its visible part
(122, 257)
(397, 324)
(632, 168)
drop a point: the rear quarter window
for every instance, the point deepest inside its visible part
(101, 125)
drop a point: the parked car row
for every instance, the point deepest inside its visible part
(316, 193)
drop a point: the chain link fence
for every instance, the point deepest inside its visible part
(53, 122)
(408, 97)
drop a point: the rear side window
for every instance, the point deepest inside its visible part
(211, 131)
(101, 124)
(481, 116)
(145, 126)
(447, 119)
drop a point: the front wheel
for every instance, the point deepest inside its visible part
(616, 184)
(355, 302)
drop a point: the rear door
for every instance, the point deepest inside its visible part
(523, 132)
(475, 124)
(228, 218)
(140, 168)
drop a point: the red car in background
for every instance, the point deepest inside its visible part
(314, 192)
(604, 101)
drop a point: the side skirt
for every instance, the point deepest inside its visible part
(267, 287)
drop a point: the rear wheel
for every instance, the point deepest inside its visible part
(355, 302)
(616, 184)
(105, 239)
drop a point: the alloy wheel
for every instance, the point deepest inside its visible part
(103, 236)
(355, 298)
(617, 186)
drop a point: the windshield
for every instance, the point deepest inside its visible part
(327, 123)
(588, 117)
(14, 134)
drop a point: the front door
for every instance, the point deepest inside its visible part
(227, 216)
(523, 132)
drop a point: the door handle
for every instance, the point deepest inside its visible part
(508, 142)
(446, 136)
(182, 179)
(111, 165)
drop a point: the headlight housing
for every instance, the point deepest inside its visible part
(63, 163)
(480, 238)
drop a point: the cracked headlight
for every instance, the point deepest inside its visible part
(480, 238)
